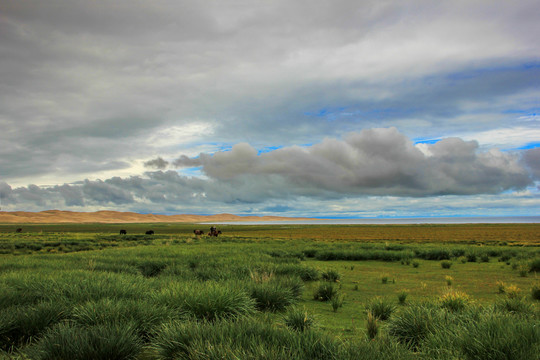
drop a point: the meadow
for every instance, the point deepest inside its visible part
(82, 291)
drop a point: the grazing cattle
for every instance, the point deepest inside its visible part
(18, 230)
(150, 232)
(123, 232)
(198, 232)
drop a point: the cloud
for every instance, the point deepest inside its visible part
(531, 158)
(374, 161)
(157, 163)
(122, 81)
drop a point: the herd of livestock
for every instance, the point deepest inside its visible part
(213, 232)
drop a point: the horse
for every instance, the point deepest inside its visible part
(18, 230)
(123, 232)
(150, 232)
(214, 232)
(198, 232)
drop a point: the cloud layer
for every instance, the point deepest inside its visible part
(376, 162)
(304, 94)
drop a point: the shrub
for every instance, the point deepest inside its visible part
(446, 264)
(415, 264)
(402, 297)
(484, 258)
(454, 300)
(330, 275)
(384, 279)
(67, 341)
(325, 291)
(298, 320)
(380, 308)
(449, 280)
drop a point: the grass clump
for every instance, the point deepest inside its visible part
(337, 301)
(325, 291)
(372, 325)
(415, 264)
(381, 308)
(514, 305)
(69, 341)
(244, 339)
(523, 270)
(496, 337)
(208, 301)
(454, 300)
(272, 296)
(501, 287)
(446, 264)
(151, 268)
(402, 297)
(144, 315)
(415, 323)
(19, 325)
(535, 292)
(449, 280)
(512, 291)
(298, 320)
(534, 265)
(330, 275)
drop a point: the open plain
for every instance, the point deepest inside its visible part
(83, 291)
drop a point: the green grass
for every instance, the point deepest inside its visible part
(239, 295)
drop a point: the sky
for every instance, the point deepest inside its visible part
(336, 109)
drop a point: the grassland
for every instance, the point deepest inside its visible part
(74, 291)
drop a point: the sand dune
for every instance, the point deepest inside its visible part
(58, 216)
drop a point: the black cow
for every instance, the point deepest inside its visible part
(123, 232)
(18, 230)
(150, 232)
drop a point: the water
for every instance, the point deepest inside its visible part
(389, 221)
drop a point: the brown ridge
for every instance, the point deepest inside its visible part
(105, 216)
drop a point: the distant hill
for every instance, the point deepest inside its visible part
(59, 216)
